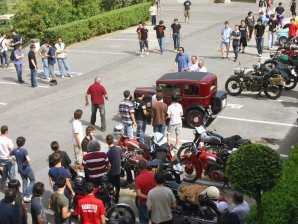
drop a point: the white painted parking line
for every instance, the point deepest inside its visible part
(43, 86)
(283, 156)
(57, 72)
(3, 104)
(234, 106)
(129, 40)
(9, 83)
(287, 101)
(256, 121)
(96, 52)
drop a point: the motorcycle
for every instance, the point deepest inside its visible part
(258, 80)
(106, 193)
(213, 142)
(198, 161)
(172, 171)
(205, 212)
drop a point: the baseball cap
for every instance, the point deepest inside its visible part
(223, 207)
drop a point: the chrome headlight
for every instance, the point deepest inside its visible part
(236, 72)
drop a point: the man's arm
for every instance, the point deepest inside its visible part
(24, 211)
(19, 57)
(174, 204)
(171, 32)
(68, 185)
(86, 98)
(51, 182)
(39, 53)
(109, 167)
(27, 161)
(79, 218)
(106, 97)
(132, 115)
(140, 195)
(66, 213)
(103, 219)
(33, 63)
(78, 140)
(50, 205)
(39, 219)
(174, 65)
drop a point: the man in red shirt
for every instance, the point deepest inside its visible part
(91, 210)
(144, 183)
(97, 93)
(292, 29)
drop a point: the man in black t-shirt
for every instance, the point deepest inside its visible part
(90, 132)
(259, 36)
(140, 113)
(144, 40)
(160, 34)
(244, 32)
(176, 33)
(32, 65)
(273, 26)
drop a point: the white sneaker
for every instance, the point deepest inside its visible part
(175, 51)
(27, 199)
(70, 76)
(147, 53)
(141, 55)
(62, 76)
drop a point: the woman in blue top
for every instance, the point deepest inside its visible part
(235, 36)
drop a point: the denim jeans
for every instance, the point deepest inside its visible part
(144, 214)
(2, 58)
(141, 128)
(19, 68)
(6, 58)
(153, 19)
(128, 130)
(260, 43)
(33, 77)
(271, 39)
(27, 189)
(101, 108)
(236, 50)
(52, 72)
(8, 169)
(176, 39)
(45, 67)
(161, 42)
(159, 128)
(63, 61)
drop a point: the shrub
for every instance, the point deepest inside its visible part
(3, 7)
(97, 25)
(280, 204)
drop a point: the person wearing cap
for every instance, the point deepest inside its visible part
(241, 208)
(279, 11)
(227, 217)
(160, 35)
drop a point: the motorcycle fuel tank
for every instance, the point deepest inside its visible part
(135, 159)
(131, 144)
(211, 160)
(207, 158)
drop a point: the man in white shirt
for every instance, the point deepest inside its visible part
(3, 50)
(200, 68)
(77, 138)
(61, 57)
(241, 208)
(175, 112)
(6, 146)
(158, 90)
(193, 64)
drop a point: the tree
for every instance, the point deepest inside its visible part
(254, 169)
(3, 7)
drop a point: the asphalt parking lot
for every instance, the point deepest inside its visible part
(45, 114)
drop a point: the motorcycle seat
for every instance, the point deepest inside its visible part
(242, 141)
(144, 146)
(216, 135)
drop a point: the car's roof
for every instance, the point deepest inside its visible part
(184, 76)
(6, 16)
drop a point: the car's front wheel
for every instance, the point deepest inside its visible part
(194, 118)
(282, 41)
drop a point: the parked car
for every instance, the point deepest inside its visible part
(4, 21)
(286, 22)
(197, 92)
(282, 36)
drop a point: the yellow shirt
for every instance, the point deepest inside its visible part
(296, 21)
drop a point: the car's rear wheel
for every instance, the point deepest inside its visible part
(194, 118)
(282, 41)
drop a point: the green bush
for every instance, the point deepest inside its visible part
(3, 7)
(97, 25)
(280, 204)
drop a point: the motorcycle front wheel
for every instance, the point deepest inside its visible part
(182, 151)
(292, 84)
(211, 213)
(233, 87)
(123, 210)
(190, 171)
(273, 92)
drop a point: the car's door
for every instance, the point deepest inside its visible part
(168, 90)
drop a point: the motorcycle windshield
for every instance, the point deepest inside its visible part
(200, 129)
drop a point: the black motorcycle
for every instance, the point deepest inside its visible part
(261, 79)
(213, 142)
(106, 193)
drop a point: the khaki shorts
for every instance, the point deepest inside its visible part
(187, 13)
(176, 127)
(78, 154)
(225, 45)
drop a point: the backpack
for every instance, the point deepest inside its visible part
(261, 3)
(160, 29)
(1, 44)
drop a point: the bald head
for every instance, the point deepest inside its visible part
(97, 79)
(201, 63)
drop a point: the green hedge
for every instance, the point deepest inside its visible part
(281, 203)
(97, 25)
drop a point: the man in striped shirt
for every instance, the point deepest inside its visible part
(127, 113)
(97, 163)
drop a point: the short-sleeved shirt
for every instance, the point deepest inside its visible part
(77, 129)
(160, 199)
(230, 218)
(51, 52)
(37, 209)
(160, 31)
(43, 50)
(5, 146)
(3, 43)
(97, 93)
(145, 182)
(126, 108)
(174, 110)
(96, 162)
(182, 61)
(226, 32)
(243, 30)
(59, 201)
(65, 159)
(144, 34)
(115, 156)
(192, 66)
(293, 30)
(20, 154)
(264, 20)
(55, 172)
(176, 27)
(139, 106)
(18, 53)
(159, 111)
(9, 213)
(17, 38)
(31, 55)
(236, 34)
(85, 143)
(187, 5)
(260, 30)
(241, 211)
(90, 209)
(203, 69)
(272, 25)
(279, 10)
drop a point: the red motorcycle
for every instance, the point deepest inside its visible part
(198, 162)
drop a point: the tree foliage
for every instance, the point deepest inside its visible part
(3, 7)
(254, 169)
